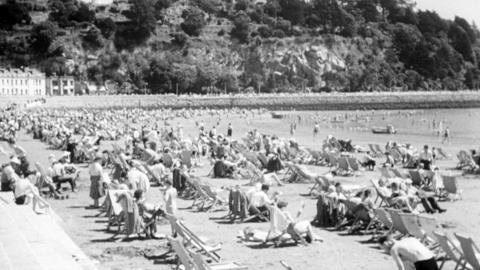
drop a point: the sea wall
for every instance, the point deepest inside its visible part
(328, 101)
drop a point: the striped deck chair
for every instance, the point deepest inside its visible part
(470, 251)
(451, 187)
(451, 249)
(379, 150)
(320, 181)
(398, 222)
(384, 200)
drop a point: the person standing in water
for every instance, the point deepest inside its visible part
(315, 130)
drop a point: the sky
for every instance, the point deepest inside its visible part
(468, 9)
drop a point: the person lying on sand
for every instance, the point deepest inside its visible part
(25, 191)
(409, 253)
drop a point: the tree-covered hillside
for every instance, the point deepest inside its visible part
(201, 46)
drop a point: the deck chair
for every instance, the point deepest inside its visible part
(353, 163)
(303, 173)
(344, 167)
(182, 253)
(201, 198)
(452, 250)
(373, 151)
(442, 153)
(385, 172)
(317, 157)
(384, 218)
(167, 160)
(186, 158)
(44, 178)
(429, 225)
(201, 264)
(278, 227)
(399, 174)
(113, 209)
(470, 251)
(195, 241)
(214, 197)
(397, 222)
(450, 184)
(290, 174)
(417, 179)
(384, 200)
(378, 149)
(263, 159)
(410, 221)
(361, 217)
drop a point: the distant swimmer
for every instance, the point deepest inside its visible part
(446, 135)
(316, 128)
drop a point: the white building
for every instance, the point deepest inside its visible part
(22, 82)
(60, 86)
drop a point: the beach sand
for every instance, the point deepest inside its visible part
(338, 251)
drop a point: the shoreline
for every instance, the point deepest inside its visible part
(279, 102)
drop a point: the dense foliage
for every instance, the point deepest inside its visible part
(203, 46)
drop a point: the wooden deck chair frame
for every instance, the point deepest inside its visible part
(182, 253)
(320, 181)
(451, 251)
(201, 264)
(192, 238)
(417, 179)
(429, 225)
(384, 218)
(214, 197)
(470, 251)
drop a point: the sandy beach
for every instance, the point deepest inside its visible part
(337, 251)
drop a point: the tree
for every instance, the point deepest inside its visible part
(179, 38)
(241, 27)
(241, 5)
(141, 26)
(293, 10)
(93, 38)
(430, 23)
(43, 36)
(368, 9)
(194, 21)
(60, 11)
(461, 42)
(83, 14)
(107, 26)
(469, 30)
(11, 14)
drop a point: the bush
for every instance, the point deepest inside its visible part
(221, 33)
(194, 21)
(107, 26)
(179, 38)
(264, 31)
(278, 33)
(241, 29)
(43, 36)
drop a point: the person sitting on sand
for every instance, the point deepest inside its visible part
(259, 202)
(429, 202)
(301, 228)
(409, 253)
(9, 175)
(25, 191)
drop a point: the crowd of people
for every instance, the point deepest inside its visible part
(146, 150)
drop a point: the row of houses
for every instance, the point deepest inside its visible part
(31, 82)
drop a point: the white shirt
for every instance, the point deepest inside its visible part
(138, 180)
(259, 199)
(171, 201)
(95, 169)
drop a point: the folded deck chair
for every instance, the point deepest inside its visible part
(397, 222)
(450, 248)
(450, 184)
(278, 227)
(192, 239)
(201, 264)
(470, 251)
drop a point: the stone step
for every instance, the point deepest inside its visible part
(4, 261)
(48, 246)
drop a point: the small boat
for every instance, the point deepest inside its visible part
(386, 130)
(277, 115)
